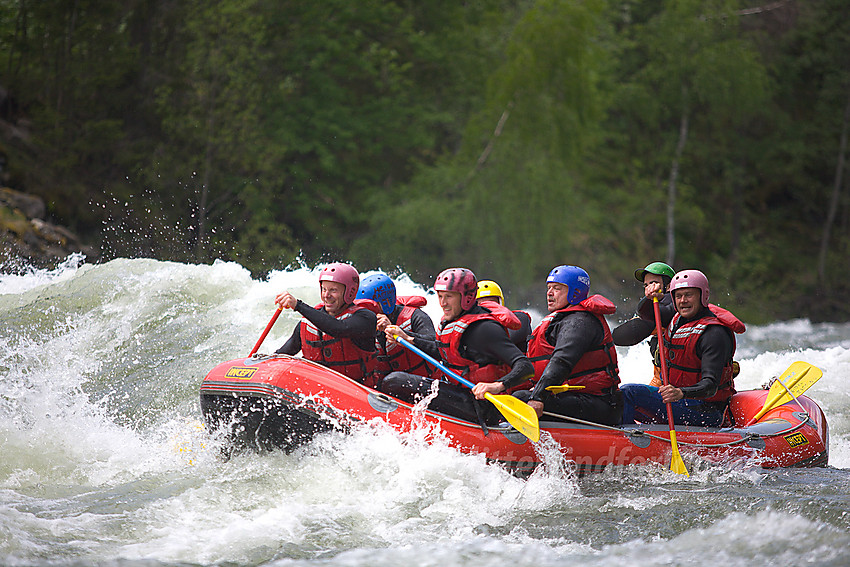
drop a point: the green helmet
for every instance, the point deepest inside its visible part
(657, 268)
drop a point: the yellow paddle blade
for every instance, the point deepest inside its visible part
(677, 465)
(518, 413)
(797, 378)
(563, 388)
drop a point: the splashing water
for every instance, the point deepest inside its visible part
(103, 459)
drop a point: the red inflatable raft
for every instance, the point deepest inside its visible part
(280, 401)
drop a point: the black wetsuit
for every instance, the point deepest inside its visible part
(573, 336)
(520, 336)
(420, 325)
(714, 349)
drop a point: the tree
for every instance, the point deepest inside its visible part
(501, 198)
(69, 67)
(696, 65)
(211, 110)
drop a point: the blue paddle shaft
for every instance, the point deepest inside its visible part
(434, 361)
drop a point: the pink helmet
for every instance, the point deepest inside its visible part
(344, 274)
(460, 280)
(691, 278)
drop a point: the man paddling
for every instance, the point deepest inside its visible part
(699, 344)
(471, 340)
(573, 347)
(336, 333)
(656, 277)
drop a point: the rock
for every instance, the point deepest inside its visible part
(30, 205)
(27, 240)
(55, 234)
(13, 220)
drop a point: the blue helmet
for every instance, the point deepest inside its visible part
(574, 278)
(379, 288)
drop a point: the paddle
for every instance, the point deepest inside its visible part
(266, 332)
(563, 388)
(677, 465)
(796, 379)
(519, 414)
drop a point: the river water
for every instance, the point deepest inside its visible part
(103, 460)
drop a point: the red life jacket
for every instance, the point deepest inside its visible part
(341, 354)
(596, 370)
(684, 368)
(448, 342)
(395, 357)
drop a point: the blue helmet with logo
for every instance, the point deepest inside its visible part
(574, 278)
(379, 288)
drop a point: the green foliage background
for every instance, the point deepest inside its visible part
(508, 136)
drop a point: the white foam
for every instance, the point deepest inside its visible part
(104, 456)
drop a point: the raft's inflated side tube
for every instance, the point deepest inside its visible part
(280, 401)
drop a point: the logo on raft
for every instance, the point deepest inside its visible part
(796, 439)
(240, 372)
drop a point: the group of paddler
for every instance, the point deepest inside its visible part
(481, 350)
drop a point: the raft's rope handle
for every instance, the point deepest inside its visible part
(743, 439)
(647, 434)
(583, 422)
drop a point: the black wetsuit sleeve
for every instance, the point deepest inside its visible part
(646, 311)
(573, 336)
(422, 324)
(485, 342)
(632, 331)
(360, 327)
(714, 348)
(293, 343)
(426, 343)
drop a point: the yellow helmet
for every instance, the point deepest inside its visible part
(489, 288)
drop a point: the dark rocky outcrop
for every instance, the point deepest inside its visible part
(27, 239)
